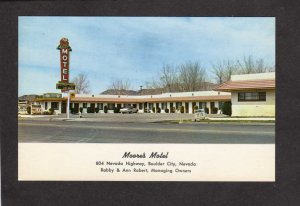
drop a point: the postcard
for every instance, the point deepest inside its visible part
(146, 98)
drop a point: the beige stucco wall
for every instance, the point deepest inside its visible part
(259, 108)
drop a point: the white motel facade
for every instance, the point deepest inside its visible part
(250, 95)
(161, 103)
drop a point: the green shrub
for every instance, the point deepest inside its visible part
(51, 111)
(172, 109)
(72, 110)
(46, 113)
(105, 109)
(29, 109)
(81, 109)
(226, 108)
(158, 110)
(195, 108)
(116, 110)
(89, 110)
(206, 110)
(182, 109)
(214, 110)
(97, 110)
(167, 110)
(153, 109)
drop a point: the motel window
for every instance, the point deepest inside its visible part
(164, 105)
(110, 106)
(46, 105)
(54, 105)
(202, 105)
(84, 105)
(150, 105)
(140, 105)
(127, 105)
(251, 96)
(178, 105)
(221, 105)
(100, 105)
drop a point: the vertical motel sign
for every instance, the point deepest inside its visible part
(65, 50)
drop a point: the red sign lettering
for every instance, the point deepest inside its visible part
(64, 59)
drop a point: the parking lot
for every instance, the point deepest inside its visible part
(140, 128)
(118, 117)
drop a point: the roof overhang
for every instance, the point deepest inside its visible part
(49, 99)
(262, 84)
(149, 100)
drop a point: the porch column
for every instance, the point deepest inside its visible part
(208, 106)
(190, 108)
(59, 107)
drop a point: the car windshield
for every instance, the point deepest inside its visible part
(200, 110)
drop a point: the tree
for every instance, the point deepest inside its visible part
(249, 65)
(82, 84)
(219, 72)
(169, 78)
(119, 86)
(191, 76)
(223, 70)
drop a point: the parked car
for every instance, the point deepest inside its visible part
(146, 110)
(128, 110)
(199, 114)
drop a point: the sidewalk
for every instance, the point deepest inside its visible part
(243, 119)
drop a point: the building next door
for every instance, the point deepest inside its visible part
(63, 107)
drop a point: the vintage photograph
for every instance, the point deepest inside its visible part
(147, 80)
(114, 81)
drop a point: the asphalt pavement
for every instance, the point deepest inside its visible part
(144, 132)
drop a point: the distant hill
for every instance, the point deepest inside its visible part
(208, 86)
(29, 97)
(120, 92)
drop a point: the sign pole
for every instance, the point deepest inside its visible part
(64, 84)
(68, 106)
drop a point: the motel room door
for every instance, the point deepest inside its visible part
(76, 108)
(63, 107)
(93, 107)
(186, 107)
(212, 105)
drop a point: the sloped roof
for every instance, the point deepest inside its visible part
(246, 85)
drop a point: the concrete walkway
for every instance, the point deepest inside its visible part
(243, 119)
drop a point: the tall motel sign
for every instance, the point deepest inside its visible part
(64, 85)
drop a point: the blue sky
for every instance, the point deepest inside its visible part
(134, 48)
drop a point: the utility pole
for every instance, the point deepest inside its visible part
(141, 89)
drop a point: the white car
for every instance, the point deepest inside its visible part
(199, 114)
(128, 110)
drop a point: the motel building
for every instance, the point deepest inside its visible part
(251, 94)
(183, 102)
